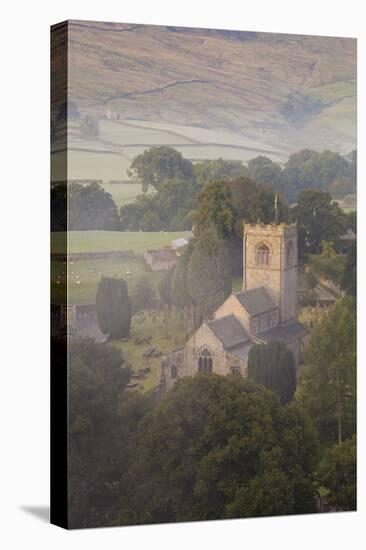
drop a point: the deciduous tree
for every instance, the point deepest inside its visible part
(143, 295)
(349, 278)
(338, 472)
(215, 209)
(327, 387)
(318, 219)
(263, 170)
(156, 164)
(97, 378)
(220, 447)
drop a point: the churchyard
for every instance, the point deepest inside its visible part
(148, 331)
(148, 339)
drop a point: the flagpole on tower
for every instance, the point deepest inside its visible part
(276, 210)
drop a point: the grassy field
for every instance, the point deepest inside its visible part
(133, 353)
(104, 241)
(124, 193)
(84, 275)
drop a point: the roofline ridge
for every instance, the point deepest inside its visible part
(240, 343)
(249, 289)
(223, 317)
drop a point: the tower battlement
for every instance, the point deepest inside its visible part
(271, 228)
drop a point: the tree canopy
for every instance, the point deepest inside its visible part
(87, 207)
(220, 447)
(157, 164)
(263, 170)
(96, 382)
(349, 277)
(318, 219)
(186, 191)
(337, 473)
(327, 386)
(143, 295)
(225, 205)
(212, 170)
(311, 169)
(215, 208)
(169, 208)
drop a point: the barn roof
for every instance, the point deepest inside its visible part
(349, 236)
(256, 300)
(229, 331)
(284, 333)
(162, 254)
(177, 243)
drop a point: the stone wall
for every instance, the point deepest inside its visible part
(76, 256)
(184, 362)
(171, 364)
(205, 337)
(233, 361)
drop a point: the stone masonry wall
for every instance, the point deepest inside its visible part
(233, 306)
(279, 278)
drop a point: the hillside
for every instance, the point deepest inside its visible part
(208, 93)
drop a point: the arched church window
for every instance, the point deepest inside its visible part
(205, 360)
(290, 253)
(174, 371)
(263, 254)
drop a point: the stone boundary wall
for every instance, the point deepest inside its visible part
(121, 254)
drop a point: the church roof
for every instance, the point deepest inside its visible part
(256, 300)
(228, 330)
(241, 350)
(284, 333)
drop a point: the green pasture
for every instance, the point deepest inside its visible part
(124, 193)
(334, 91)
(104, 241)
(84, 275)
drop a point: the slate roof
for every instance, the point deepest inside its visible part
(241, 350)
(284, 333)
(229, 331)
(256, 300)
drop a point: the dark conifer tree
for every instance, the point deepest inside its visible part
(113, 307)
(273, 366)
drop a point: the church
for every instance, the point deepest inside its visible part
(264, 311)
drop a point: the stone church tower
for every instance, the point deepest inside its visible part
(270, 260)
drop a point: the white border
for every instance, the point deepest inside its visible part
(25, 274)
